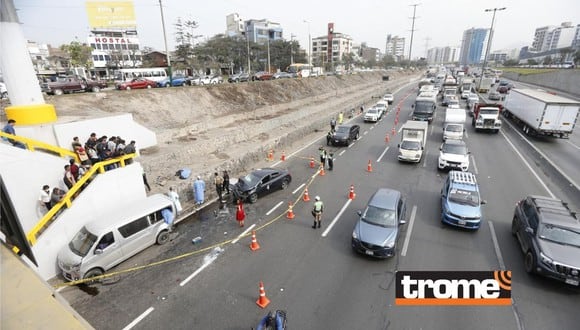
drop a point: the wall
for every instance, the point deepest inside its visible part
(562, 80)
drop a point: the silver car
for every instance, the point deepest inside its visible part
(377, 230)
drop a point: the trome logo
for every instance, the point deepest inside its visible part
(453, 288)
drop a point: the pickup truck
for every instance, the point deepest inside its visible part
(64, 85)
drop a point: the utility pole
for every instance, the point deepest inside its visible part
(412, 30)
(292, 48)
(489, 40)
(309, 45)
(165, 40)
(248, 45)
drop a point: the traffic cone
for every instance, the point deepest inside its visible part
(283, 157)
(306, 197)
(271, 155)
(262, 301)
(387, 138)
(254, 245)
(322, 173)
(396, 120)
(351, 194)
(369, 166)
(393, 132)
(290, 214)
(311, 162)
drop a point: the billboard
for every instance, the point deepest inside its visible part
(111, 14)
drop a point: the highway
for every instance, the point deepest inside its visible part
(315, 276)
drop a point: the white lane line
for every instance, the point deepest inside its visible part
(381, 156)
(336, 218)
(244, 233)
(572, 144)
(138, 319)
(409, 230)
(400, 129)
(528, 165)
(342, 152)
(297, 189)
(432, 127)
(474, 165)
(274, 208)
(543, 155)
(466, 136)
(425, 158)
(199, 270)
(496, 246)
(371, 127)
(366, 132)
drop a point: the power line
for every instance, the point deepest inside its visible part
(412, 29)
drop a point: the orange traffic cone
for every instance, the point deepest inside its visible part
(369, 167)
(290, 214)
(322, 173)
(393, 131)
(263, 301)
(271, 155)
(283, 157)
(306, 197)
(387, 138)
(351, 194)
(311, 162)
(254, 245)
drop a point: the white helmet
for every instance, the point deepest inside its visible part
(317, 198)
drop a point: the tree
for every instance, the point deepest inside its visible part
(510, 63)
(531, 61)
(548, 60)
(185, 38)
(564, 52)
(79, 54)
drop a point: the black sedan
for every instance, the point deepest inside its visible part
(345, 134)
(260, 182)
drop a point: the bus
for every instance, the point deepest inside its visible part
(299, 69)
(155, 74)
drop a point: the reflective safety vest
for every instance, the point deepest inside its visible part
(318, 206)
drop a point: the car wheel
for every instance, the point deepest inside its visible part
(128, 88)
(58, 92)
(93, 273)
(529, 262)
(514, 227)
(163, 237)
(284, 184)
(96, 89)
(166, 85)
(253, 198)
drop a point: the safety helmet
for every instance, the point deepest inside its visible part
(317, 198)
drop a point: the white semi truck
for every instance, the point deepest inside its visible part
(540, 113)
(453, 125)
(413, 140)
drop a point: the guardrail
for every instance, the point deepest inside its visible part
(33, 145)
(68, 198)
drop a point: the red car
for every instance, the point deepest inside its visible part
(136, 84)
(262, 75)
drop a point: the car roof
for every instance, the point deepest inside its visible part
(464, 180)
(385, 198)
(346, 125)
(454, 142)
(266, 171)
(555, 211)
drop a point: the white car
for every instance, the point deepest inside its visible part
(453, 154)
(389, 98)
(465, 94)
(372, 114)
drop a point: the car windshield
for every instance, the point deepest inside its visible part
(453, 128)
(423, 106)
(342, 129)
(250, 179)
(411, 145)
(559, 235)
(82, 242)
(457, 149)
(488, 111)
(466, 197)
(380, 217)
(372, 111)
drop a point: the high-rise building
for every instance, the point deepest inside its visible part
(330, 48)
(554, 37)
(443, 55)
(395, 47)
(262, 30)
(473, 46)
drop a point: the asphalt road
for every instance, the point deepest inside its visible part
(315, 276)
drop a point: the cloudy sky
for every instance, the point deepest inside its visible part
(439, 23)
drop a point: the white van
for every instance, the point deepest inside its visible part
(113, 238)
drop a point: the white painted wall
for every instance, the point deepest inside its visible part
(108, 191)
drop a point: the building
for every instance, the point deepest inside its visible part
(473, 46)
(234, 25)
(395, 47)
(329, 50)
(370, 54)
(503, 55)
(262, 30)
(555, 37)
(443, 55)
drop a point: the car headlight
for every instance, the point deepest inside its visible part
(545, 259)
(354, 235)
(390, 245)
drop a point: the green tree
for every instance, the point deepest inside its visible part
(564, 53)
(531, 61)
(548, 60)
(510, 63)
(185, 38)
(78, 54)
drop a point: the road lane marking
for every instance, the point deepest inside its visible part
(199, 270)
(336, 218)
(432, 127)
(425, 158)
(297, 189)
(366, 132)
(381, 156)
(575, 146)
(408, 235)
(528, 165)
(474, 165)
(400, 129)
(371, 127)
(543, 155)
(342, 152)
(139, 318)
(275, 207)
(466, 136)
(244, 233)
(496, 246)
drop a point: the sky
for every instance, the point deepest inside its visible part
(438, 23)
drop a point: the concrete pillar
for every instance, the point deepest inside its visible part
(28, 106)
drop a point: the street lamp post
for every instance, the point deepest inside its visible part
(248, 45)
(165, 40)
(292, 48)
(309, 44)
(489, 40)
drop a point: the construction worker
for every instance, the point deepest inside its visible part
(317, 211)
(340, 115)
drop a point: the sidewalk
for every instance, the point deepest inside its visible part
(27, 302)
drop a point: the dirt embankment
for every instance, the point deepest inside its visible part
(229, 126)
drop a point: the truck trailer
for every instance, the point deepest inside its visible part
(484, 84)
(413, 140)
(540, 113)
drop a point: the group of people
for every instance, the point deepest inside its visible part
(99, 149)
(326, 157)
(221, 183)
(48, 198)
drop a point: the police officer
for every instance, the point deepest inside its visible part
(330, 160)
(332, 124)
(329, 137)
(317, 212)
(322, 153)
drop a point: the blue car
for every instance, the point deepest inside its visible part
(460, 201)
(176, 81)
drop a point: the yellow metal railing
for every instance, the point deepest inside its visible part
(32, 145)
(71, 194)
